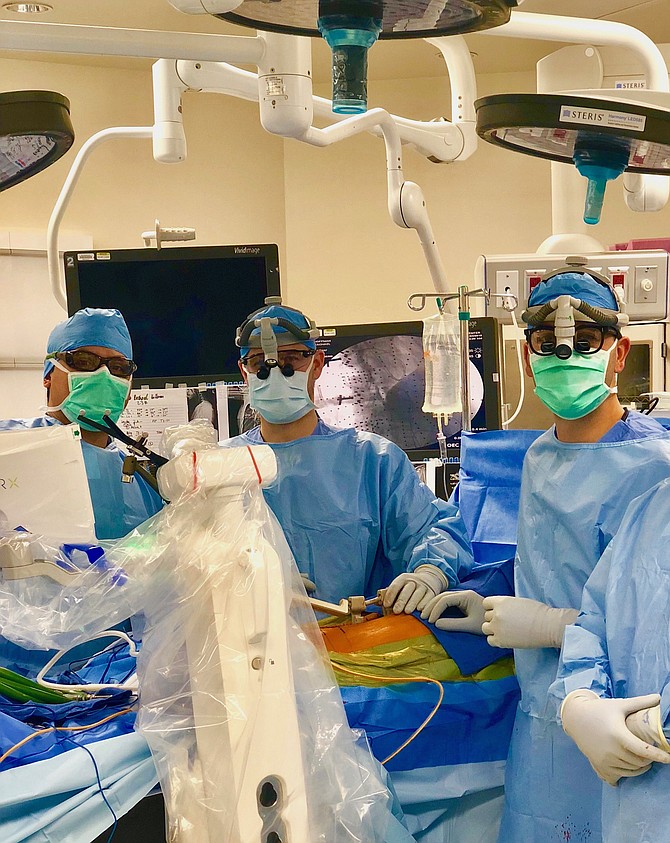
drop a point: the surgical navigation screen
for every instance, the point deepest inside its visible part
(182, 305)
(374, 380)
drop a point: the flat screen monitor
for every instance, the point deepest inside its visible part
(182, 305)
(374, 380)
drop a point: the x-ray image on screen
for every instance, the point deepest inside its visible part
(376, 383)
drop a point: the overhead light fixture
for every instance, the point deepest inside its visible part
(602, 133)
(35, 131)
(27, 8)
(351, 27)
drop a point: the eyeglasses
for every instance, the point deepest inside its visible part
(588, 339)
(87, 361)
(296, 358)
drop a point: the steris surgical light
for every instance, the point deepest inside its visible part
(602, 137)
(351, 27)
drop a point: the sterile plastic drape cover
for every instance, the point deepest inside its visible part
(43, 485)
(238, 703)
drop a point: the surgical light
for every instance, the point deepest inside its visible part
(351, 27)
(35, 131)
(602, 137)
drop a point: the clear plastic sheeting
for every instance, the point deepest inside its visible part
(238, 702)
(197, 435)
(57, 596)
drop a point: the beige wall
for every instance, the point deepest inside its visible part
(346, 260)
(230, 188)
(343, 260)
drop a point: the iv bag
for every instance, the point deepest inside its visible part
(442, 361)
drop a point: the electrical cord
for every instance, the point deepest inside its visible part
(416, 732)
(522, 379)
(100, 787)
(653, 403)
(30, 737)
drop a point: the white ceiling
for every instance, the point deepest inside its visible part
(388, 60)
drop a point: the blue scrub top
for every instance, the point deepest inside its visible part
(355, 513)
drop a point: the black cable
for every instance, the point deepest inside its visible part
(113, 430)
(653, 403)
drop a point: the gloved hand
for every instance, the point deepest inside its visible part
(411, 591)
(523, 623)
(647, 726)
(469, 602)
(598, 727)
(197, 435)
(310, 586)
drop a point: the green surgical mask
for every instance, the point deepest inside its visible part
(96, 393)
(575, 387)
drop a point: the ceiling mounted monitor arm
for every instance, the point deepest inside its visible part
(284, 92)
(439, 141)
(641, 192)
(436, 140)
(53, 258)
(406, 203)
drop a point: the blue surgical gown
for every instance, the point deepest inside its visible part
(620, 647)
(118, 508)
(573, 497)
(355, 513)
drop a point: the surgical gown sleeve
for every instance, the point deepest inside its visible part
(628, 653)
(418, 528)
(584, 661)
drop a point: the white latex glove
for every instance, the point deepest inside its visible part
(598, 727)
(523, 623)
(469, 602)
(197, 435)
(411, 591)
(646, 725)
(310, 586)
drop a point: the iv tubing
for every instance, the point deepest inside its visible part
(522, 380)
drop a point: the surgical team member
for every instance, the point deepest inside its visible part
(615, 673)
(89, 366)
(351, 505)
(578, 478)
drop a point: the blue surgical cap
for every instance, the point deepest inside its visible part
(576, 284)
(90, 326)
(295, 317)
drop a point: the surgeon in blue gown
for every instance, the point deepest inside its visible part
(615, 673)
(578, 479)
(354, 512)
(350, 503)
(88, 366)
